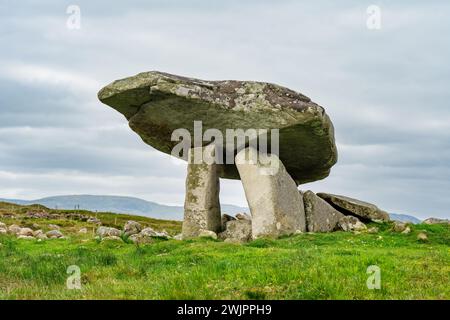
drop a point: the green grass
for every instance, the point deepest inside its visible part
(305, 266)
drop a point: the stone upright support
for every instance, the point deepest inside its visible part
(201, 206)
(272, 195)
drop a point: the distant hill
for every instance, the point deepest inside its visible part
(140, 207)
(404, 218)
(118, 204)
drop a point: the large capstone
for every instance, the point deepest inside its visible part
(157, 103)
(201, 206)
(275, 202)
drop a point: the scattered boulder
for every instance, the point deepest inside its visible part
(207, 234)
(164, 234)
(39, 234)
(372, 230)
(178, 237)
(407, 230)
(275, 203)
(54, 234)
(149, 232)
(38, 214)
(53, 227)
(14, 229)
(237, 231)
(320, 216)
(225, 219)
(436, 221)
(422, 237)
(399, 226)
(3, 228)
(83, 230)
(132, 227)
(140, 238)
(351, 223)
(363, 210)
(25, 232)
(108, 232)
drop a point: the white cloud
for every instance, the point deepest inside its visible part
(386, 92)
(48, 76)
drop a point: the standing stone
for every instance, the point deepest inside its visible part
(364, 210)
(275, 202)
(201, 206)
(320, 216)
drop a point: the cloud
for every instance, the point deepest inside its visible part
(386, 91)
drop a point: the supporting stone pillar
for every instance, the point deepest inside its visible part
(201, 206)
(272, 195)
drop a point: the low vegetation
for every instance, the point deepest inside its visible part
(304, 266)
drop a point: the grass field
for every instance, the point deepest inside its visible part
(305, 266)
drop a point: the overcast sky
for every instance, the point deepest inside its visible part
(386, 91)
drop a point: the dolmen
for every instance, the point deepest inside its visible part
(270, 137)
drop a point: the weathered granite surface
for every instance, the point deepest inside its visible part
(157, 103)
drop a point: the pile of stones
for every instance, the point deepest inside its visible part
(322, 213)
(28, 233)
(132, 231)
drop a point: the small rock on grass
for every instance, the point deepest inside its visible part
(207, 234)
(178, 237)
(25, 232)
(422, 237)
(108, 232)
(14, 229)
(407, 230)
(399, 226)
(132, 227)
(372, 230)
(54, 234)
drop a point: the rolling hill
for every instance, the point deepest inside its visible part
(117, 204)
